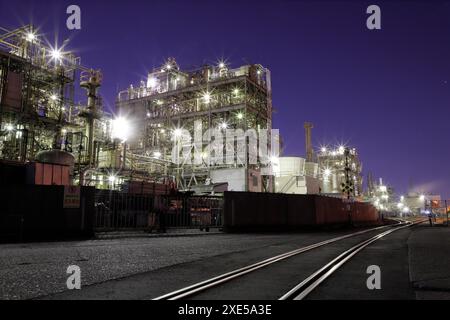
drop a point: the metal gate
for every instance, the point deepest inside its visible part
(192, 212)
(123, 211)
(119, 211)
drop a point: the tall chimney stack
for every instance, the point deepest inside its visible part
(309, 148)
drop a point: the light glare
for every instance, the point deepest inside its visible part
(30, 37)
(121, 129)
(56, 54)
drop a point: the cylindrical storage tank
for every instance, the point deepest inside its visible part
(292, 166)
(56, 157)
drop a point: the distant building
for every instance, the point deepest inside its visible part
(296, 176)
(417, 202)
(332, 170)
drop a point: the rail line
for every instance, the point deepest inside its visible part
(226, 277)
(304, 288)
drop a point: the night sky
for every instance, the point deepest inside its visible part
(386, 92)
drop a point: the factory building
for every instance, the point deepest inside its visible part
(335, 172)
(340, 171)
(199, 114)
(207, 129)
(41, 123)
(418, 203)
(296, 176)
(380, 195)
(41, 127)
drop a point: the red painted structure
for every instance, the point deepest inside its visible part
(244, 210)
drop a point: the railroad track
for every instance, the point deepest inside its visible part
(306, 286)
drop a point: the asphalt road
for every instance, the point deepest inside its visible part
(146, 268)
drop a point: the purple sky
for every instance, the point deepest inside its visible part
(385, 92)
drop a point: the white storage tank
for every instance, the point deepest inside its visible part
(291, 166)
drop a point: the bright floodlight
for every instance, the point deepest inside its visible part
(400, 205)
(207, 97)
(422, 197)
(236, 91)
(30, 37)
(54, 97)
(240, 116)
(157, 154)
(405, 210)
(341, 150)
(177, 133)
(323, 149)
(121, 129)
(9, 127)
(221, 65)
(224, 125)
(56, 54)
(112, 178)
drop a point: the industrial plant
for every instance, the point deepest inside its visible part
(40, 121)
(62, 142)
(193, 150)
(173, 104)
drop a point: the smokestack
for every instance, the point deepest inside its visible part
(309, 148)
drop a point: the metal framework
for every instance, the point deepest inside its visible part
(173, 99)
(38, 115)
(37, 109)
(338, 167)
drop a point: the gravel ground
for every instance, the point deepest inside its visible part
(32, 270)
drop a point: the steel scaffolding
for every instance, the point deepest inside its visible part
(172, 99)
